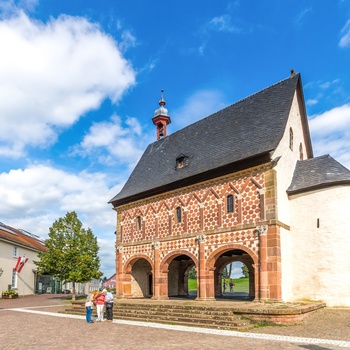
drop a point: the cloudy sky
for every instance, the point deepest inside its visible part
(80, 80)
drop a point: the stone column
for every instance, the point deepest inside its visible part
(203, 280)
(261, 231)
(160, 281)
(119, 272)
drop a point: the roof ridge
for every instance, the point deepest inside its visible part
(229, 106)
(258, 92)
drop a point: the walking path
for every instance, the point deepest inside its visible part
(34, 322)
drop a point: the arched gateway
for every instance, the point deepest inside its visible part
(230, 187)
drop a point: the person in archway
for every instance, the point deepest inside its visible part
(232, 284)
(224, 285)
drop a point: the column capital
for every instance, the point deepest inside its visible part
(261, 191)
(200, 238)
(155, 245)
(261, 230)
(120, 249)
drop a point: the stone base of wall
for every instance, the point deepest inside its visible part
(280, 313)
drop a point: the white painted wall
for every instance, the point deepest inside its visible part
(320, 256)
(286, 165)
(284, 174)
(25, 279)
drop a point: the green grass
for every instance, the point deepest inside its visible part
(241, 284)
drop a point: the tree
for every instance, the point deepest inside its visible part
(230, 270)
(245, 271)
(192, 274)
(72, 252)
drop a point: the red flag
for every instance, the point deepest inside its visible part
(20, 263)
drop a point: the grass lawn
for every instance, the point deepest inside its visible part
(241, 284)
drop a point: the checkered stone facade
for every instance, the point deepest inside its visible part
(196, 222)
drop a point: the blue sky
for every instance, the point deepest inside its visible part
(80, 80)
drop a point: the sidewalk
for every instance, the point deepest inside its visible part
(23, 327)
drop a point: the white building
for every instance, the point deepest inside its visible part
(18, 246)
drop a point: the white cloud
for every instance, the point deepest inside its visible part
(330, 133)
(345, 32)
(201, 104)
(42, 194)
(299, 19)
(222, 24)
(112, 141)
(311, 102)
(128, 41)
(51, 74)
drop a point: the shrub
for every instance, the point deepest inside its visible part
(9, 292)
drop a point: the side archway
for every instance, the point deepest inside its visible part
(138, 277)
(175, 268)
(222, 257)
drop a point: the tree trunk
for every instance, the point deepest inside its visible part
(73, 290)
(230, 270)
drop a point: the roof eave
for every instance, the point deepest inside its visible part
(255, 160)
(318, 187)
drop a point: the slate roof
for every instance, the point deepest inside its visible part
(318, 172)
(253, 126)
(20, 237)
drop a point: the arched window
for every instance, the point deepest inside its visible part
(178, 214)
(229, 200)
(291, 139)
(301, 153)
(138, 223)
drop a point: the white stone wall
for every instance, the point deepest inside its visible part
(286, 165)
(287, 268)
(284, 173)
(320, 255)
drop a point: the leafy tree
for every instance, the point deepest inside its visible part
(225, 272)
(192, 274)
(72, 252)
(245, 271)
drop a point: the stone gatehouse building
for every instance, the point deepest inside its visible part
(239, 185)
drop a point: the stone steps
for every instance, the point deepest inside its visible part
(208, 317)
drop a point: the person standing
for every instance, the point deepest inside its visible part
(109, 306)
(224, 286)
(88, 307)
(100, 303)
(232, 284)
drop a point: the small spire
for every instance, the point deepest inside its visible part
(292, 72)
(161, 117)
(162, 101)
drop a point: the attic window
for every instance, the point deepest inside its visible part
(181, 162)
(291, 139)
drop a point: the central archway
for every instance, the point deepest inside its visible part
(223, 256)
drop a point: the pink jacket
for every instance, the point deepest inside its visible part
(100, 299)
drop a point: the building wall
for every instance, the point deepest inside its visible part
(203, 209)
(26, 278)
(284, 173)
(286, 165)
(320, 252)
(153, 222)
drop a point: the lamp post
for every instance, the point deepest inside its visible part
(1, 271)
